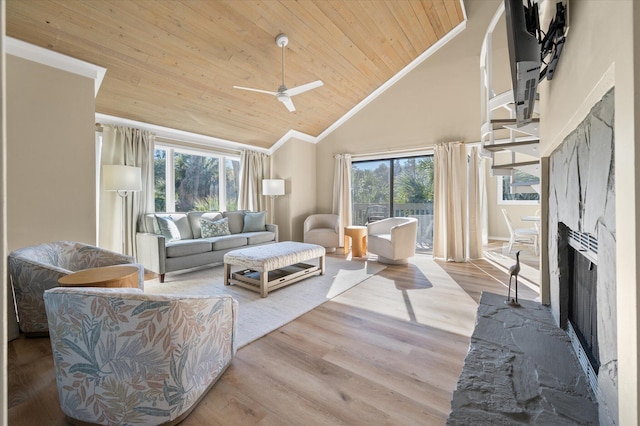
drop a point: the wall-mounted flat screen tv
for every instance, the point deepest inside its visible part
(524, 56)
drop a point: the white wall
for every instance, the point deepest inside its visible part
(599, 52)
(51, 155)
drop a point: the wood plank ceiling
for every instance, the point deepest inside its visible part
(174, 63)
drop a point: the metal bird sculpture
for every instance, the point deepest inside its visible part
(513, 272)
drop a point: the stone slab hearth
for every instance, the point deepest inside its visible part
(520, 369)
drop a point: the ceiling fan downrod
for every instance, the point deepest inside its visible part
(282, 40)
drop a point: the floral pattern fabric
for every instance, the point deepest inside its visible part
(125, 357)
(34, 269)
(214, 228)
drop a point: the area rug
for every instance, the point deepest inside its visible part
(258, 316)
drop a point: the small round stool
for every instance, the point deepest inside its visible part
(358, 236)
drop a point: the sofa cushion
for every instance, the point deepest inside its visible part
(181, 221)
(181, 248)
(236, 221)
(254, 221)
(194, 221)
(226, 242)
(259, 237)
(168, 228)
(217, 228)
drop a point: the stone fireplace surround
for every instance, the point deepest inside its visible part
(582, 197)
(521, 368)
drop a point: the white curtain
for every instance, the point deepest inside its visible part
(475, 206)
(129, 147)
(450, 198)
(459, 202)
(254, 166)
(342, 191)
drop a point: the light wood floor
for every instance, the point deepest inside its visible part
(388, 351)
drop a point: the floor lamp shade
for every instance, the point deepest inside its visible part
(121, 178)
(273, 187)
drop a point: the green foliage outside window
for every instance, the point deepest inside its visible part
(160, 179)
(197, 181)
(522, 178)
(413, 180)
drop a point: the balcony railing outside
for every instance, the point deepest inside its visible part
(367, 212)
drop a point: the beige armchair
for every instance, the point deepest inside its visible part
(324, 230)
(393, 239)
(123, 357)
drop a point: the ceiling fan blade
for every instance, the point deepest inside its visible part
(286, 100)
(305, 87)
(256, 90)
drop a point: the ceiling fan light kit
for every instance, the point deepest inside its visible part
(283, 94)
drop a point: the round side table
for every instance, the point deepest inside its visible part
(358, 236)
(108, 276)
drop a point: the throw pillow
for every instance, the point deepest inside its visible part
(168, 228)
(214, 228)
(254, 222)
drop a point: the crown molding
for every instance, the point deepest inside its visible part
(57, 60)
(180, 135)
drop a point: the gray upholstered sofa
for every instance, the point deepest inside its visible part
(168, 242)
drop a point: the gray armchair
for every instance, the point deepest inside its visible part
(393, 239)
(34, 269)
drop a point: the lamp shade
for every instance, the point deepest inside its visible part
(121, 178)
(273, 187)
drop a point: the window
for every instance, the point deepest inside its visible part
(519, 181)
(187, 180)
(396, 187)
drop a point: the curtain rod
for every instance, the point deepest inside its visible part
(205, 147)
(390, 153)
(393, 152)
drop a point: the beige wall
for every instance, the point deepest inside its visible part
(295, 162)
(5, 334)
(599, 53)
(51, 155)
(439, 101)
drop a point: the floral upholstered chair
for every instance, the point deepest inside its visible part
(125, 357)
(34, 269)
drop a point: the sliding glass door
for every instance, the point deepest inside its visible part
(397, 187)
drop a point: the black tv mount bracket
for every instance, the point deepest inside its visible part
(552, 42)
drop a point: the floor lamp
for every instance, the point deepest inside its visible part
(273, 188)
(122, 179)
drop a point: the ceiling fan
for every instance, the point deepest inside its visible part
(283, 94)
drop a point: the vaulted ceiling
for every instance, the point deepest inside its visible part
(174, 63)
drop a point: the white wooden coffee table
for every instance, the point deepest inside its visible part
(271, 266)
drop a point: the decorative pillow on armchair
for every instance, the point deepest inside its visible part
(254, 222)
(214, 228)
(168, 228)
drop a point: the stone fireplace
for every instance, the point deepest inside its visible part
(582, 253)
